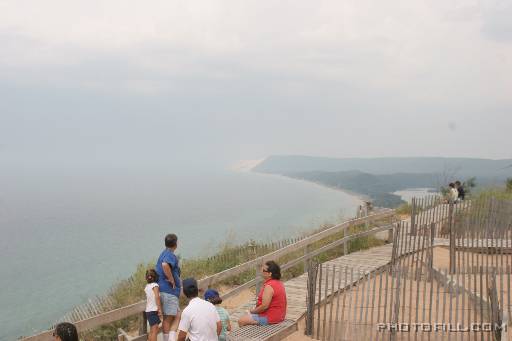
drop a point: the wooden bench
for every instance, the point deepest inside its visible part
(272, 332)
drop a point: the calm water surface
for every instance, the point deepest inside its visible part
(408, 194)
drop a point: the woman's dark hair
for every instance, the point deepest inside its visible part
(274, 269)
(171, 240)
(66, 331)
(151, 276)
(215, 300)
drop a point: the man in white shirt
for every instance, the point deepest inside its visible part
(200, 318)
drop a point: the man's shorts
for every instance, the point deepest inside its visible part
(153, 318)
(170, 304)
(262, 320)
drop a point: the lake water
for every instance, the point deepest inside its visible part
(408, 194)
(67, 237)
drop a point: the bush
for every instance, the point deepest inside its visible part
(487, 193)
(404, 209)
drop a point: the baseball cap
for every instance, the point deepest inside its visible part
(210, 293)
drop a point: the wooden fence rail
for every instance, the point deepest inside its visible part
(301, 244)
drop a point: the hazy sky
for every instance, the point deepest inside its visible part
(131, 82)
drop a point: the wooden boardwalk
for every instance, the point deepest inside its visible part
(296, 288)
(366, 261)
(363, 262)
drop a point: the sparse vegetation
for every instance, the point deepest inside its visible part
(469, 185)
(405, 208)
(498, 193)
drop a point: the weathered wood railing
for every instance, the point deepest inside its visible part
(301, 244)
(306, 243)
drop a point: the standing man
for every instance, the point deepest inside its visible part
(169, 272)
(200, 318)
(460, 190)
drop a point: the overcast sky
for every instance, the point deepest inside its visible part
(106, 82)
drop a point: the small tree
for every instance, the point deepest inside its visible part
(469, 184)
(509, 184)
(444, 190)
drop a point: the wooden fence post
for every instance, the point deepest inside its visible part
(394, 247)
(413, 216)
(431, 254)
(345, 244)
(310, 307)
(496, 312)
(143, 328)
(394, 222)
(259, 277)
(396, 303)
(307, 251)
(452, 238)
(366, 213)
(257, 268)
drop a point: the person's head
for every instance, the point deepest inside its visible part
(271, 270)
(65, 331)
(457, 183)
(190, 288)
(452, 185)
(171, 241)
(212, 296)
(151, 276)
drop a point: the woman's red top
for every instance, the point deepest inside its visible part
(276, 311)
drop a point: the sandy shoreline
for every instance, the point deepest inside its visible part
(359, 196)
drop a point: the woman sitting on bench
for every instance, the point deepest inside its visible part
(271, 305)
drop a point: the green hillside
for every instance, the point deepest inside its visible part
(458, 167)
(378, 178)
(378, 187)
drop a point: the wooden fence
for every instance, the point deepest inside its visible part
(483, 236)
(304, 246)
(400, 303)
(435, 209)
(460, 291)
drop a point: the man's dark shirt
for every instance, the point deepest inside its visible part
(461, 193)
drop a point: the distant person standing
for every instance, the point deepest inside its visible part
(460, 190)
(453, 194)
(168, 270)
